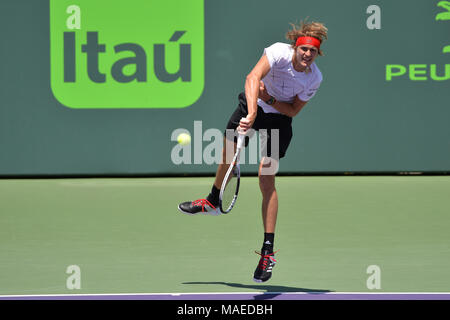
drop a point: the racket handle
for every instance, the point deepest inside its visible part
(240, 140)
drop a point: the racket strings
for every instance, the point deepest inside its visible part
(230, 185)
(229, 192)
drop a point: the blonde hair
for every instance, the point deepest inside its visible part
(307, 29)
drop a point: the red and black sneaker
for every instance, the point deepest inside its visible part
(200, 206)
(266, 263)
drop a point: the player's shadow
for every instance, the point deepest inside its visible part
(271, 291)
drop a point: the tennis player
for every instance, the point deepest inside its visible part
(278, 87)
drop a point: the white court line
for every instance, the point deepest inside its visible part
(223, 293)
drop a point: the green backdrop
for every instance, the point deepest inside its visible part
(357, 122)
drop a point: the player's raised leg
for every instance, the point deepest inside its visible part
(209, 205)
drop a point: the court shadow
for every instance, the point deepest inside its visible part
(271, 291)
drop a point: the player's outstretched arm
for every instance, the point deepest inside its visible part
(252, 89)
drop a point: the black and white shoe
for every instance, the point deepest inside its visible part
(266, 263)
(200, 206)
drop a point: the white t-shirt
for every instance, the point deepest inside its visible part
(283, 82)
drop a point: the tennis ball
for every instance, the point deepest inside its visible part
(184, 139)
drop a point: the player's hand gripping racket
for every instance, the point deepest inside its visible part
(230, 185)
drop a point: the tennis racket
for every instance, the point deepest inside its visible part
(230, 185)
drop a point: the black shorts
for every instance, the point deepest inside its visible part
(266, 121)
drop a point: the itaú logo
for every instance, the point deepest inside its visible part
(127, 54)
(423, 72)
